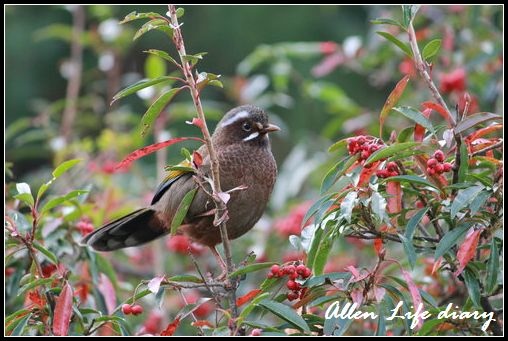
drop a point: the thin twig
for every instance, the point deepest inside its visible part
(214, 161)
(76, 66)
(184, 299)
(486, 149)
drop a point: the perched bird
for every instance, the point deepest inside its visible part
(245, 159)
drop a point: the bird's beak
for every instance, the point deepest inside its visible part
(270, 128)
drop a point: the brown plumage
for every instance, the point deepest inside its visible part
(245, 159)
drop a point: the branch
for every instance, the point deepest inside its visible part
(214, 162)
(486, 149)
(421, 66)
(76, 62)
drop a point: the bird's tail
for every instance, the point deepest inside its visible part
(134, 229)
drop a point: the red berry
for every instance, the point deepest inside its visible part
(280, 273)
(137, 309)
(292, 285)
(255, 332)
(307, 273)
(300, 269)
(127, 309)
(394, 173)
(290, 269)
(439, 168)
(360, 139)
(292, 296)
(293, 276)
(432, 162)
(391, 166)
(431, 171)
(275, 269)
(364, 155)
(447, 167)
(269, 275)
(439, 155)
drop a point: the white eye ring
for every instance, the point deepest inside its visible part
(246, 126)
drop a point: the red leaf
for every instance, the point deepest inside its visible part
(394, 199)
(483, 131)
(139, 153)
(440, 110)
(196, 122)
(366, 173)
(108, 292)
(392, 99)
(437, 264)
(419, 132)
(378, 245)
(415, 293)
(63, 311)
(202, 323)
(467, 249)
(247, 297)
(171, 328)
(197, 159)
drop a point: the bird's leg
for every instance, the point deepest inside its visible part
(221, 263)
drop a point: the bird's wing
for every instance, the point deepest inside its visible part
(175, 173)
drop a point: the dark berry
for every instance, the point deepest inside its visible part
(439, 155)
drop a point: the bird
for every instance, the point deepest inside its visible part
(246, 166)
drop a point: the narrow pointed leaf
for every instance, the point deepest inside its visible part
(413, 223)
(388, 151)
(383, 21)
(286, 313)
(473, 287)
(48, 254)
(391, 101)
(410, 250)
(251, 268)
(464, 198)
(440, 110)
(403, 46)
(473, 120)
(163, 55)
(492, 267)
(394, 200)
(144, 83)
(135, 16)
(155, 109)
(154, 24)
(431, 49)
(183, 208)
(467, 250)
(416, 116)
(450, 239)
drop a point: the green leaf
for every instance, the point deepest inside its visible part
(14, 315)
(179, 169)
(253, 304)
(339, 145)
(217, 83)
(19, 325)
(492, 268)
(144, 83)
(322, 254)
(403, 46)
(473, 287)
(451, 238)
(182, 210)
(383, 21)
(154, 66)
(155, 109)
(381, 322)
(163, 55)
(431, 49)
(416, 116)
(251, 268)
(429, 326)
(28, 199)
(464, 164)
(49, 255)
(464, 198)
(327, 278)
(390, 102)
(479, 201)
(314, 246)
(388, 151)
(64, 167)
(59, 200)
(185, 278)
(154, 24)
(347, 205)
(409, 249)
(135, 16)
(180, 12)
(194, 58)
(405, 134)
(315, 207)
(286, 313)
(414, 179)
(33, 284)
(413, 223)
(472, 120)
(408, 14)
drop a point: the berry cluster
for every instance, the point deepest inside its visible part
(85, 227)
(436, 164)
(364, 146)
(391, 169)
(128, 309)
(293, 272)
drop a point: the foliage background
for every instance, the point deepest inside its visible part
(320, 94)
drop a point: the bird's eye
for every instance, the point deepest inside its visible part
(246, 126)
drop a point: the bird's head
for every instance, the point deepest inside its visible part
(246, 124)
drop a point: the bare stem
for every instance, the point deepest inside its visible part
(486, 149)
(76, 62)
(214, 162)
(422, 68)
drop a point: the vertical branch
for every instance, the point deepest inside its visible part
(422, 69)
(216, 187)
(76, 62)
